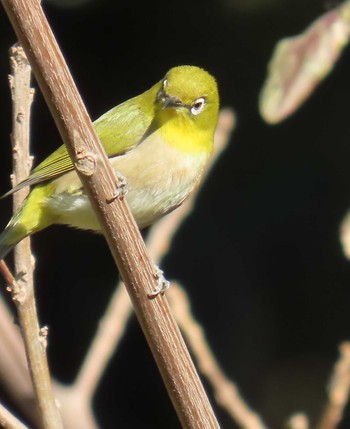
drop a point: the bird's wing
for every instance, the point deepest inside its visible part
(120, 129)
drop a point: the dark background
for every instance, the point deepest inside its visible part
(260, 256)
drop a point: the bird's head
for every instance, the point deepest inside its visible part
(189, 93)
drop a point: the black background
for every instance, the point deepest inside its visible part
(260, 256)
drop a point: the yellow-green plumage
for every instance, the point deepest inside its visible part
(159, 141)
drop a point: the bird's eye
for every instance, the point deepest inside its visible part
(198, 106)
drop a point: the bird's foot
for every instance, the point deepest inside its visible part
(121, 190)
(162, 284)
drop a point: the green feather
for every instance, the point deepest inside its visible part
(120, 130)
(160, 140)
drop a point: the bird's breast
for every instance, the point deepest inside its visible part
(159, 177)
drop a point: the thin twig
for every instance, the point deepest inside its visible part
(225, 391)
(111, 329)
(13, 364)
(74, 404)
(14, 376)
(297, 421)
(8, 420)
(22, 289)
(338, 391)
(127, 247)
(113, 323)
(14, 373)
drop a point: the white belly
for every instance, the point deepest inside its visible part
(158, 176)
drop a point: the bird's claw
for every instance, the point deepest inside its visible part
(162, 284)
(121, 190)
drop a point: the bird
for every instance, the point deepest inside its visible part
(159, 141)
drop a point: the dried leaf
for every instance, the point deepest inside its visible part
(301, 62)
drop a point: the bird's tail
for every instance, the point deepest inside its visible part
(14, 232)
(9, 238)
(5, 246)
(26, 221)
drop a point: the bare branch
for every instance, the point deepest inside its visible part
(74, 404)
(298, 421)
(113, 323)
(22, 290)
(14, 373)
(338, 391)
(126, 244)
(9, 421)
(226, 392)
(344, 234)
(110, 331)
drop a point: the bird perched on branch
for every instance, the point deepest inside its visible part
(159, 141)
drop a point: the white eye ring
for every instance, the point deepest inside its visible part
(198, 106)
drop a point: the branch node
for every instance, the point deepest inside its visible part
(20, 117)
(18, 290)
(86, 162)
(43, 334)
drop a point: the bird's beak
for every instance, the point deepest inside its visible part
(171, 101)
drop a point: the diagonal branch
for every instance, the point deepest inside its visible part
(8, 420)
(226, 392)
(112, 325)
(338, 390)
(297, 421)
(124, 239)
